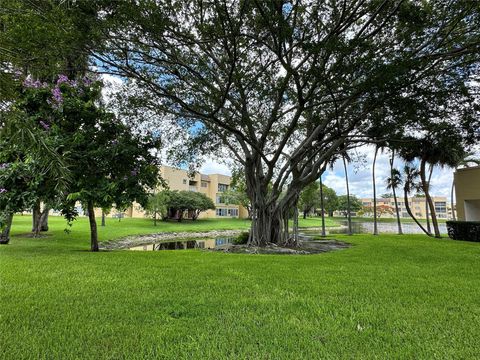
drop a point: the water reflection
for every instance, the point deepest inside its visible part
(185, 244)
(364, 227)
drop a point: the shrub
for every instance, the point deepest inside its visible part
(464, 230)
(242, 239)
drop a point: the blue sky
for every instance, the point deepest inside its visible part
(360, 175)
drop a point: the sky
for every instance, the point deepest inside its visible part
(360, 175)
(360, 172)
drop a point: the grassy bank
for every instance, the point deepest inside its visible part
(386, 297)
(128, 226)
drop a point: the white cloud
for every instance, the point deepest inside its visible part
(211, 166)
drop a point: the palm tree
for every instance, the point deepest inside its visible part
(466, 161)
(375, 225)
(427, 212)
(393, 183)
(322, 207)
(345, 158)
(410, 184)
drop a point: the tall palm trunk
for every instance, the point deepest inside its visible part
(93, 227)
(322, 207)
(349, 215)
(409, 211)
(427, 212)
(397, 210)
(431, 206)
(375, 225)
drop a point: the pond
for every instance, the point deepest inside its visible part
(185, 244)
(366, 227)
(359, 227)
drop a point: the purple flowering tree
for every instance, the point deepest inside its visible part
(108, 164)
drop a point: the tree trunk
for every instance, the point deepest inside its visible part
(451, 199)
(322, 209)
(431, 205)
(397, 211)
(35, 216)
(44, 224)
(305, 214)
(267, 226)
(349, 215)
(270, 212)
(41, 222)
(103, 218)
(93, 227)
(405, 194)
(295, 225)
(375, 225)
(427, 212)
(5, 234)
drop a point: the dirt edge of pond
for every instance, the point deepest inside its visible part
(308, 247)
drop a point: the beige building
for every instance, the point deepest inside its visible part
(212, 185)
(417, 205)
(467, 190)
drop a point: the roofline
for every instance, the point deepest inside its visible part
(198, 172)
(468, 168)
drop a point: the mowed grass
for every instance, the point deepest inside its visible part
(115, 229)
(387, 297)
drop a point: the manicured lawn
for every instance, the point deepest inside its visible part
(387, 297)
(128, 226)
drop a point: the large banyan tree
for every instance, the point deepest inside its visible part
(287, 86)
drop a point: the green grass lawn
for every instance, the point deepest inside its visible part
(387, 297)
(128, 226)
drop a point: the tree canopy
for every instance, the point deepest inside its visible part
(285, 86)
(191, 202)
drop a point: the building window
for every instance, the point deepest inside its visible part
(227, 212)
(204, 184)
(222, 187)
(184, 181)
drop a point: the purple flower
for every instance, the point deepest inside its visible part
(44, 125)
(57, 96)
(4, 166)
(87, 81)
(62, 79)
(29, 83)
(2, 190)
(134, 172)
(115, 142)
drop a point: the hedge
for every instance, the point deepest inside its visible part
(464, 230)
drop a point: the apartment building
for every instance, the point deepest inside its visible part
(467, 191)
(418, 205)
(212, 185)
